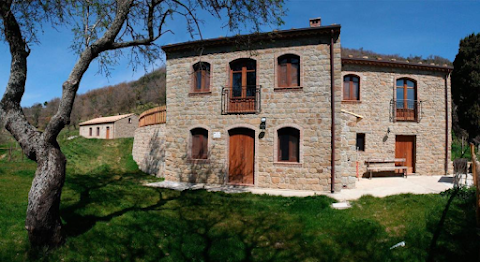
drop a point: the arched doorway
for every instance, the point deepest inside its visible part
(241, 156)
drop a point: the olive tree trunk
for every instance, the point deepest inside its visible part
(43, 215)
(43, 221)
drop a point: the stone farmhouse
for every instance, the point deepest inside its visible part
(110, 127)
(284, 110)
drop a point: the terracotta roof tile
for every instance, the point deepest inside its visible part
(108, 119)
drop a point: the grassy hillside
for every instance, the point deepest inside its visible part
(110, 216)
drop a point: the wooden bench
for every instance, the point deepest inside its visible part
(379, 165)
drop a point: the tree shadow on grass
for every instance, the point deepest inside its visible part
(110, 215)
(455, 237)
(130, 222)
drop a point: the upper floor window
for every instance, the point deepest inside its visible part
(289, 71)
(199, 148)
(201, 77)
(243, 77)
(351, 87)
(406, 100)
(288, 144)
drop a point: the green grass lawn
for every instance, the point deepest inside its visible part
(110, 216)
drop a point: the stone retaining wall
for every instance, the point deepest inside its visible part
(148, 149)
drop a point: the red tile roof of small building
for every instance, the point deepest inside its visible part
(102, 120)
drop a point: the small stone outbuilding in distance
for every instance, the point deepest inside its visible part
(110, 127)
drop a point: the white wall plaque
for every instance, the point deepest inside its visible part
(217, 135)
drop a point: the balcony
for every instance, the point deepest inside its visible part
(406, 110)
(241, 100)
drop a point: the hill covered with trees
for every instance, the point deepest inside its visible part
(128, 97)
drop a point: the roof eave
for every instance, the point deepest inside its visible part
(266, 35)
(398, 64)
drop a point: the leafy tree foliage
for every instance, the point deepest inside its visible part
(466, 85)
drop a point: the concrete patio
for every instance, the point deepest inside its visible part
(378, 187)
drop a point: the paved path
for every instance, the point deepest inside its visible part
(378, 187)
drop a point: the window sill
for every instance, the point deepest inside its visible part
(288, 164)
(292, 88)
(351, 101)
(198, 161)
(200, 93)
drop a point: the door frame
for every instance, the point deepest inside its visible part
(227, 151)
(414, 160)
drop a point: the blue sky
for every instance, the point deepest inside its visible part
(410, 27)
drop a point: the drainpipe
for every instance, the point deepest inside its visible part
(446, 122)
(332, 104)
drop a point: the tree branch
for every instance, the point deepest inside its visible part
(70, 87)
(10, 110)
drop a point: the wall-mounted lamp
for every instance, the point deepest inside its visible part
(388, 130)
(263, 123)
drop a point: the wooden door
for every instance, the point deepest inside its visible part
(108, 133)
(405, 148)
(241, 156)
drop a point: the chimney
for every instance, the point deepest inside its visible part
(316, 22)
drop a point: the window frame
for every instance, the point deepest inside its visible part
(206, 77)
(281, 76)
(203, 137)
(351, 88)
(245, 88)
(362, 147)
(405, 99)
(297, 152)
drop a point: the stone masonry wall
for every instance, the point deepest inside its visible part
(307, 109)
(377, 86)
(126, 128)
(148, 149)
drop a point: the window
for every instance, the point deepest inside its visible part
(289, 71)
(288, 144)
(351, 87)
(98, 131)
(360, 142)
(129, 120)
(243, 77)
(406, 102)
(243, 94)
(201, 77)
(90, 132)
(199, 143)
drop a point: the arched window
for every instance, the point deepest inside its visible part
(243, 77)
(199, 148)
(201, 77)
(406, 102)
(288, 144)
(289, 71)
(90, 132)
(351, 87)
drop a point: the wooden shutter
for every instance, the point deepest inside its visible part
(294, 74)
(199, 148)
(282, 74)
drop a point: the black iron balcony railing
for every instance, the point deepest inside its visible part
(241, 100)
(405, 110)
